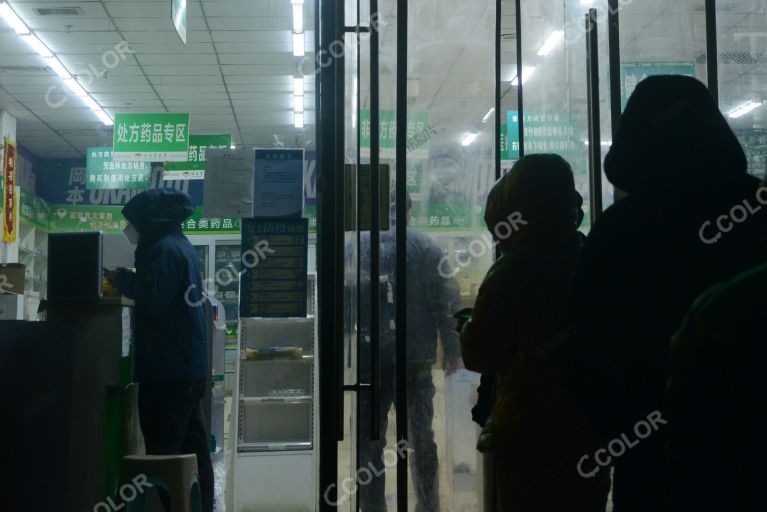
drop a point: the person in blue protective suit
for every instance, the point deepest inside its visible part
(170, 353)
(431, 300)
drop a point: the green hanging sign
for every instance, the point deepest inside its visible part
(419, 132)
(162, 137)
(34, 210)
(545, 132)
(105, 173)
(634, 72)
(194, 167)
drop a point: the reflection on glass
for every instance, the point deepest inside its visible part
(742, 40)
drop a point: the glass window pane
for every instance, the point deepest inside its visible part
(742, 39)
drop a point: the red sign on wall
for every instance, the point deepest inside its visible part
(10, 199)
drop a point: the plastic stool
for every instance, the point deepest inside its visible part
(176, 473)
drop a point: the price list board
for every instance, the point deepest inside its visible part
(275, 265)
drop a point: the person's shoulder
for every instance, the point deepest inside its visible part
(725, 319)
(747, 287)
(421, 240)
(172, 245)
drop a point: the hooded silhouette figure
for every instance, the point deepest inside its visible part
(171, 348)
(538, 433)
(692, 218)
(715, 400)
(170, 330)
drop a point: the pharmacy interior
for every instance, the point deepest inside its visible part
(307, 133)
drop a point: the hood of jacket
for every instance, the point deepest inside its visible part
(156, 213)
(536, 201)
(670, 137)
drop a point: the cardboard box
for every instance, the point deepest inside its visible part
(12, 278)
(11, 307)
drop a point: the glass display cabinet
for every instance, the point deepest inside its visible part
(276, 412)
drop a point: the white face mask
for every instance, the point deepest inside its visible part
(131, 233)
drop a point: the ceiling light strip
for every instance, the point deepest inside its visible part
(299, 50)
(21, 28)
(469, 137)
(551, 42)
(527, 72)
(744, 109)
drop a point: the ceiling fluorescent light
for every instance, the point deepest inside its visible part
(298, 86)
(58, 68)
(469, 138)
(551, 42)
(75, 87)
(13, 19)
(103, 117)
(298, 45)
(34, 42)
(91, 103)
(298, 18)
(744, 109)
(298, 119)
(354, 102)
(486, 117)
(298, 103)
(527, 72)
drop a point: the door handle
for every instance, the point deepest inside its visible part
(375, 232)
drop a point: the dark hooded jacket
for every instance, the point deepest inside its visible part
(648, 257)
(170, 340)
(538, 433)
(514, 322)
(715, 400)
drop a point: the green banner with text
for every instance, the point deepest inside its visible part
(194, 167)
(419, 132)
(162, 137)
(104, 172)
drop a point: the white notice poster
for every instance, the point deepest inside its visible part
(278, 185)
(228, 189)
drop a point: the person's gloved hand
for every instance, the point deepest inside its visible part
(111, 275)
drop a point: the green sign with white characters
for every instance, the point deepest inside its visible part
(107, 219)
(199, 224)
(104, 172)
(34, 210)
(505, 155)
(545, 132)
(162, 137)
(634, 72)
(414, 176)
(194, 167)
(418, 133)
(446, 216)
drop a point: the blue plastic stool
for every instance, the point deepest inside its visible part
(176, 474)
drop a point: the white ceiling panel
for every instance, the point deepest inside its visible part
(178, 60)
(186, 79)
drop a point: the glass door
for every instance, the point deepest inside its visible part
(401, 234)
